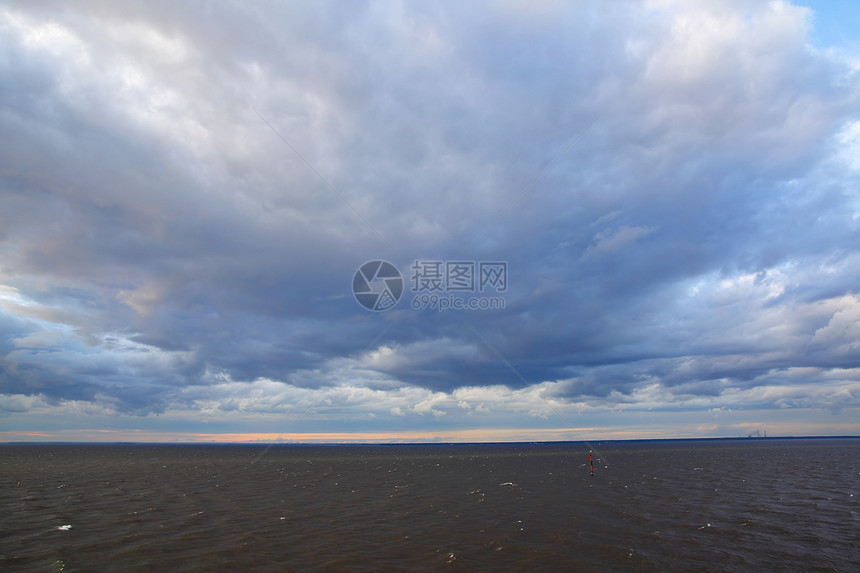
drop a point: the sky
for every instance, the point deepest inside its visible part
(613, 220)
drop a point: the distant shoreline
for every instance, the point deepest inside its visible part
(365, 444)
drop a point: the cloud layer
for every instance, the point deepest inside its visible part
(187, 189)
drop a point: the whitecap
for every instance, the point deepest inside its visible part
(64, 528)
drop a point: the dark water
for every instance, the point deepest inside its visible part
(727, 505)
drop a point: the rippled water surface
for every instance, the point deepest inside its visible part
(716, 505)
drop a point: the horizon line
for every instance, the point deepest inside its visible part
(420, 443)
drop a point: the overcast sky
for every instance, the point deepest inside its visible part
(187, 190)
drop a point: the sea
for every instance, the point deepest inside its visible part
(677, 505)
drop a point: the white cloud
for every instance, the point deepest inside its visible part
(21, 402)
(43, 339)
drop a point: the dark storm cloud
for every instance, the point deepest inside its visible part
(665, 186)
